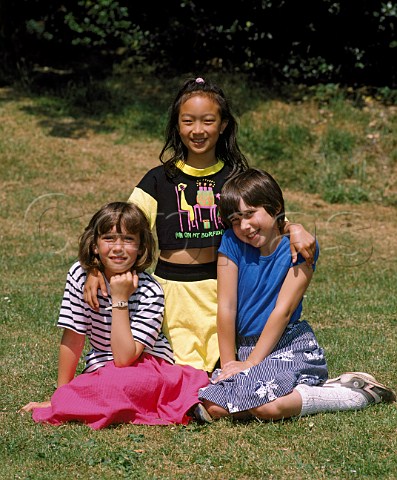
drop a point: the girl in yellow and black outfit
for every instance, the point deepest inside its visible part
(180, 199)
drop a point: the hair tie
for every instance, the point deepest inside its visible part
(199, 80)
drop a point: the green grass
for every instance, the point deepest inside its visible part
(62, 159)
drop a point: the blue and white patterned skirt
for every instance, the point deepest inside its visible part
(297, 358)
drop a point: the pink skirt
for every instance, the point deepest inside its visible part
(149, 392)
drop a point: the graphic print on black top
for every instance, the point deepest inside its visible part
(186, 205)
(202, 217)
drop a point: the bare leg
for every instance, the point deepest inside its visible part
(350, 391)
(215, 410)
(284, 407)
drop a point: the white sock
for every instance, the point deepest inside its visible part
(330, 399)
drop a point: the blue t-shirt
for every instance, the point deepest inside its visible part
(259, 281)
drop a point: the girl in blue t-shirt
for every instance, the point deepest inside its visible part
(280, 366)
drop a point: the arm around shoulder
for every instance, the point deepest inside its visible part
(94, 281)
(301, 241)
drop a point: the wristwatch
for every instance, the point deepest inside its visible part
(120, 304)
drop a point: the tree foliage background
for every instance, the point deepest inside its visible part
(352, 42)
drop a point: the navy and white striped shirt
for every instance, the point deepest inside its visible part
(146, 309)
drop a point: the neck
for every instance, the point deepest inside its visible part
(271, 245)
(201, 161)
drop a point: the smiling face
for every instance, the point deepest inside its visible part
(199, 126)
(255, 226)
(117, 251)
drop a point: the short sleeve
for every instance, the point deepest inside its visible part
(230, 246)
(147, 311)
(146, 203)
(73, 313)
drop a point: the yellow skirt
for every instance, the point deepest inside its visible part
(190, 321)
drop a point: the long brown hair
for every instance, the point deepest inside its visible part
(227, 148)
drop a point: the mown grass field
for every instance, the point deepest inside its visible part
(63, 156)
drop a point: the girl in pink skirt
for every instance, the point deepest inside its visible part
(130, 375)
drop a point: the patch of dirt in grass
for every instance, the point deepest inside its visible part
(51, 185)
(369, 230)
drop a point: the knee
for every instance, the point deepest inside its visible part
(216, 411)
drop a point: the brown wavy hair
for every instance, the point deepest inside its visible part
(123, 216)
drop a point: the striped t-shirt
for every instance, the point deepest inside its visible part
(146, 309)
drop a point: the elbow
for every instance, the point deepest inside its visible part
(121, 364)
(284, 313)
(123, 361)
(126, 355)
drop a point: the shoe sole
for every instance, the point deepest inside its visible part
(366, 378)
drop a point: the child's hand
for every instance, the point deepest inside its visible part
(301, 241)
(31, 405)
(232, 368)
(94, 281)
(123, 286)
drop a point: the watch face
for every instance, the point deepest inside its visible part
(120, 305)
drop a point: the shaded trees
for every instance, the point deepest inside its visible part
(351, 42)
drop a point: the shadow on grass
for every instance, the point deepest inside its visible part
(129, 104)
(69, 104)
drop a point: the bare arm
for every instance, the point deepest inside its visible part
(291, 293)
(70, 350)
(294, 286)
(124, 347)
(301, 241)
(227, 308)
(94, 281)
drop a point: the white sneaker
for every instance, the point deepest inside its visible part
(375, 392)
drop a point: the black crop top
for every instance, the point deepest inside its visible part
(183, 208)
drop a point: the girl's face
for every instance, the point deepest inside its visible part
(200, 125)
(253, 225)
(117, 251)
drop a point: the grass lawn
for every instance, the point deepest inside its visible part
(337, 163)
